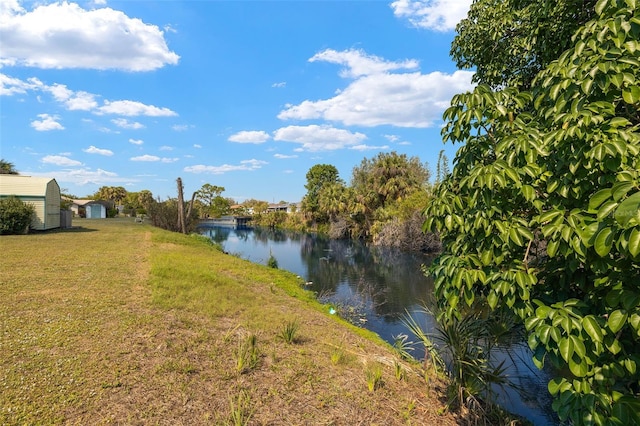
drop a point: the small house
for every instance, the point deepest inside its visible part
(41, 192)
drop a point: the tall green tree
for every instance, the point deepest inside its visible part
(145, 198)
(318, 176)
(508, 42)
(212, 201)
(383, 181)
(541, 214)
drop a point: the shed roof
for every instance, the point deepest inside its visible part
(20, 185)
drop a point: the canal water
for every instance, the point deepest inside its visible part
(376, 288)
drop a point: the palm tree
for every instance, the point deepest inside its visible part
(118, 194)
(7, 168)
(145, 198)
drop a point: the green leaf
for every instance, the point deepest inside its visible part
(550, 215)
(552, 247)
(631, 94)
(634, 242)
(514, 235)
(603, 242)
(492, 299)
(566, 349)
(528, 192)
(618, 122)
(627, 209)
(579, 369)
(620, 189)
(598, 198)
(616, 320)
(600, 5)
(578, 346)
(591, 326)
(606, 209)
(634, 320)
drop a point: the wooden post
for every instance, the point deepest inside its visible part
(181, 222)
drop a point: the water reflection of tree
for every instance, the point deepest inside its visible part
(217, 234)
(243, 234)
(389, 281)
(402, 278)
(274, 235)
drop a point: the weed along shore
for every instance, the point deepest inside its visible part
(114, 321)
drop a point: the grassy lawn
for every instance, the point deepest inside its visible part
(118, 322)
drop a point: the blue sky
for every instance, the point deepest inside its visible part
(247, 95)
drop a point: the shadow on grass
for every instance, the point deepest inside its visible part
(73, 229)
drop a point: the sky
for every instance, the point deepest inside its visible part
(245, 95)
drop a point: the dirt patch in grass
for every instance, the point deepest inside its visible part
(128, 324)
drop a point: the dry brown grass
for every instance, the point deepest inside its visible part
(120, 323)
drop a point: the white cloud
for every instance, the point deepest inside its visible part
(284, 157)
(250, 137)
(136, 141)
(60, 160)
(47, 122)
(315, 138)
(126, 124)
(82, 101)
(153, 158)
(437, 15)
(401, 100)
(358, 63)
(93, 150)
(246, 165)
(166, 148)
(195, 145)
(85, 176)
(392, 138)
(253, 163)
(365, 147)
(85, 101)
(146, 157)
(64, 35)
(180, 127)
(10, 86)
(133, 108)
(279, 84)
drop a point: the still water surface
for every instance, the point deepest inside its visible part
(376, 287)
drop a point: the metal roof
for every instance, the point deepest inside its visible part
(20, 185)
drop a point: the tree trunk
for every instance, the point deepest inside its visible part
(190, 208)
(181, 222)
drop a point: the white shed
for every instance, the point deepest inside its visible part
(42, 193)
(95, 210)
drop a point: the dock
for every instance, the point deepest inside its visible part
(230, 221)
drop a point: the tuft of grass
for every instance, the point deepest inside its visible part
(272, 262)
(373, 375)
(289, 331)
(403, 346)
(398, 370)
(247, 354)
(241, 409)
(337, 356)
